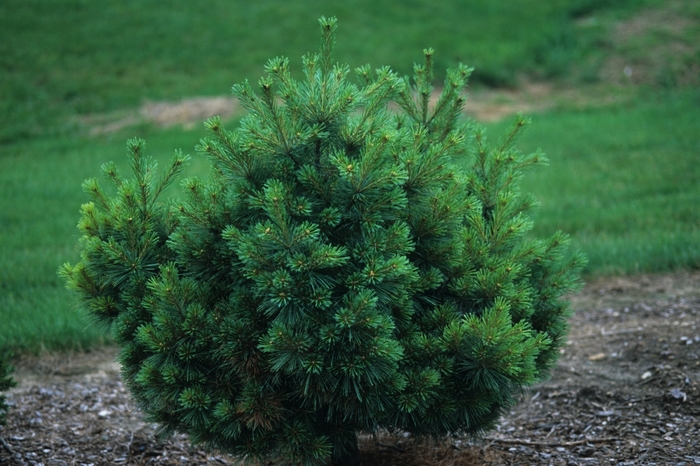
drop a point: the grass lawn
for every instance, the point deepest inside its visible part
(40, 188)
(623, 179)
(74, 56)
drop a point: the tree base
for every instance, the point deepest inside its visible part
(351, 458)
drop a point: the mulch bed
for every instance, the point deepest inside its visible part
(626, 392)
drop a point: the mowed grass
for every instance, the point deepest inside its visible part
(623, 181)
(41, 197)
(59, 59)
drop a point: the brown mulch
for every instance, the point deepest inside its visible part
(626, 391)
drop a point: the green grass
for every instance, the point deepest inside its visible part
(623, 181)
(41, 196)
(659, 45)
(75, 56)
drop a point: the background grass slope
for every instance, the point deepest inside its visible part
(81, 56)
(623, 179)
(41, 196)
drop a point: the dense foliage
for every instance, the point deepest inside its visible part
(338, 273)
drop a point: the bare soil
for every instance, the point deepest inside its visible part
(653, 48)
(484, 106)
(626, 391)
(649, 49)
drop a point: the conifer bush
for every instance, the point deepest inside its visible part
(338, 273)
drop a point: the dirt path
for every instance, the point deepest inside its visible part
(626, 391)
(483, 105)
(655, 47)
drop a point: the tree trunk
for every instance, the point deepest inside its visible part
(351, 457)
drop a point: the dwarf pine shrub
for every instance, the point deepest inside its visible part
(338, 273)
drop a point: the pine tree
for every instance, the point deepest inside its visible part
(339, 272)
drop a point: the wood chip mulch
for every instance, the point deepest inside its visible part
(626, 392)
